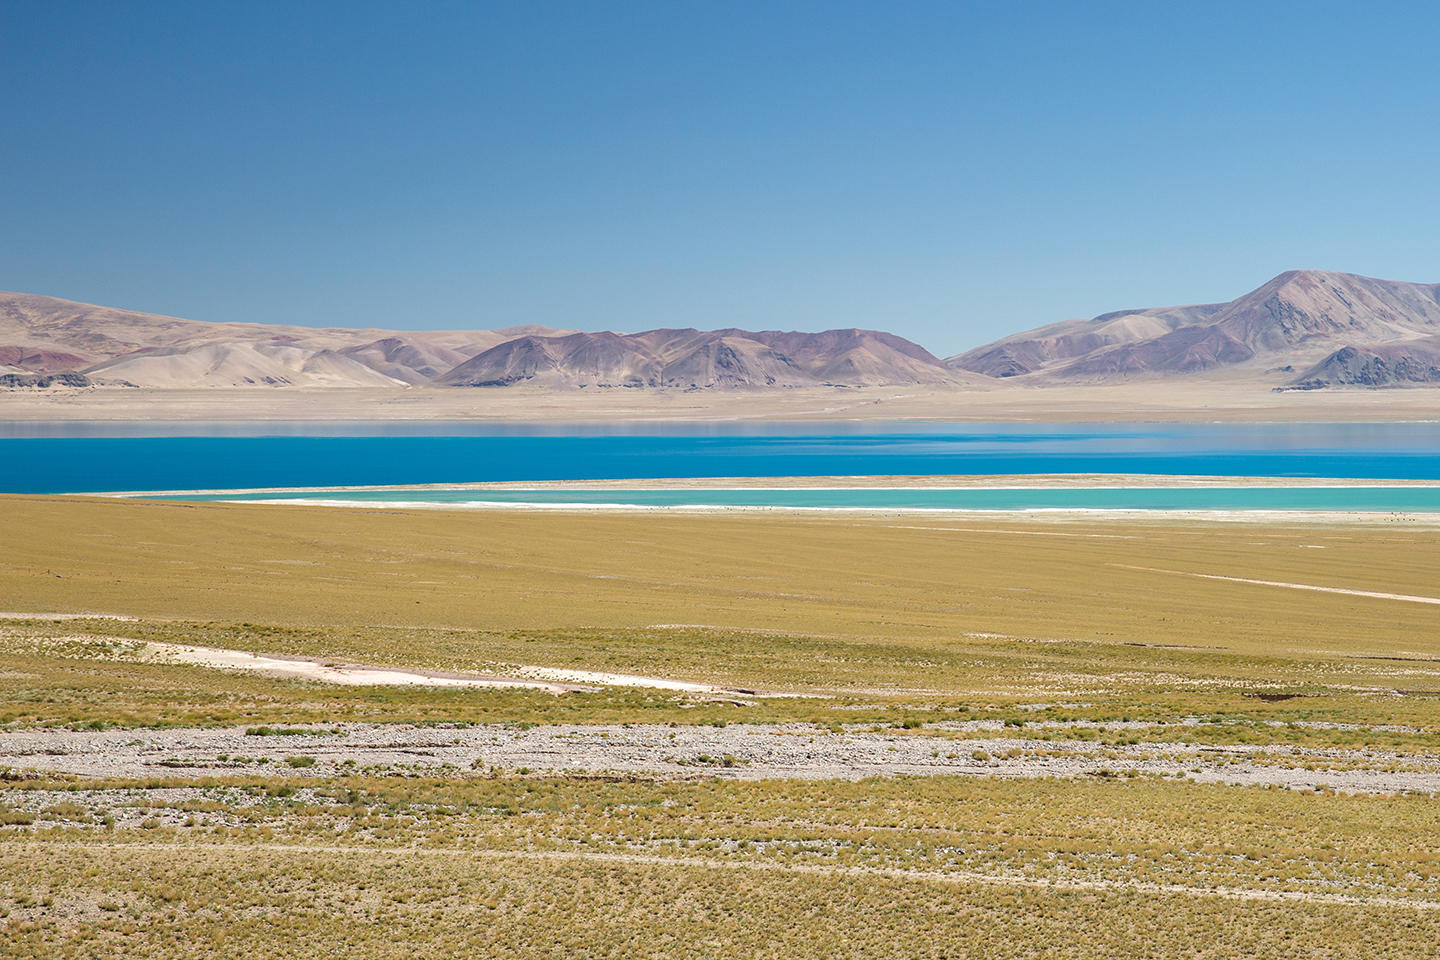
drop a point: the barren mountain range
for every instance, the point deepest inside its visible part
(1302, 330)
(45, 339)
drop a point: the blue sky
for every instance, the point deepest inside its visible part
(949, 171)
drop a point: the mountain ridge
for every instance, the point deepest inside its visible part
(1299, 317)
(1337, 329)
(42, 336)
(701, 359)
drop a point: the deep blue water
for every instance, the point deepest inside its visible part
(77, 458)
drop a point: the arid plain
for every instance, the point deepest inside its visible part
(1222, 399)
(835, 735)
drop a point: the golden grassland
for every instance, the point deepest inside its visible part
(1231, 838)
(876, 614)
(241, 903)
(521, 866)
(890, 620)
(874, 578)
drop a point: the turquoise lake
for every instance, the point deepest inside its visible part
(106, 457)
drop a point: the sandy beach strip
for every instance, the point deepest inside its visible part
(832, 482)
(835, 483)
(1058, 514)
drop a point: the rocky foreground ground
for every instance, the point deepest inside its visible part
(739, 751)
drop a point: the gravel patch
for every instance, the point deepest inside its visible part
(738, 751)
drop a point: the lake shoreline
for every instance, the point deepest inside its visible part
(1335, 517)
(876, 482)
(1218, 400)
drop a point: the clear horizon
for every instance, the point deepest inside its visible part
(949, 173)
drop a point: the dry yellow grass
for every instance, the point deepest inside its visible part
(893, 618)
(293, 904)
(874, 612)
(615, 868)
(860, 577)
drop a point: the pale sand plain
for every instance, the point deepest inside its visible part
(1191, 401)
